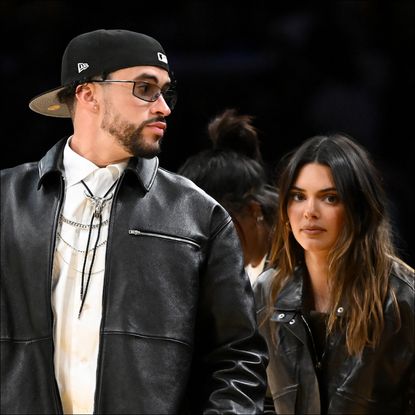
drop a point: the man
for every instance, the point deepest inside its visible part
(123, 288)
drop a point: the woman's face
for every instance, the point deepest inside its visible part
(314, 210)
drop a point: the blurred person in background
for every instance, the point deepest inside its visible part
(232, 172)
(336, 305)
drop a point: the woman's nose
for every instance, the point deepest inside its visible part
(310, 209)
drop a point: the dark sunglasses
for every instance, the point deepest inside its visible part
(149, 92)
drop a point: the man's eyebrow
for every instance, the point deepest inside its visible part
(149, 77)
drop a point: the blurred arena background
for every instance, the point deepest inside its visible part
(300, 68)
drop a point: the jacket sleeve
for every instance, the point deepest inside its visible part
(230, 371)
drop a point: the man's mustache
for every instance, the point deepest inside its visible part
(159, 118)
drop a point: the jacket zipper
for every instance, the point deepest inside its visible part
(163, 236)
(51, 259)
(316, 359)
(104, 297)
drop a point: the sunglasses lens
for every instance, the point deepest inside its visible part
(150, 93)
(145, 91)
(170, 96)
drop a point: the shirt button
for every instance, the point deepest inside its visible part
(292, 321)
(281, 316)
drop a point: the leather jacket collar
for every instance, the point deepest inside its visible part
(51, 164)
(290, 297)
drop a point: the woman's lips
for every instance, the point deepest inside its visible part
(312, 230)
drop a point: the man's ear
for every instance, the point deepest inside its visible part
(86, 97)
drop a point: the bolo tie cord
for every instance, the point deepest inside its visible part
(99, 203)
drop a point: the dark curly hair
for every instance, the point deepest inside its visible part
(232, 171)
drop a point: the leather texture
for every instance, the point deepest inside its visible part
(178, 331)
(380, 382)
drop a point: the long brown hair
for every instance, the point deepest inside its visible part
(361, 260)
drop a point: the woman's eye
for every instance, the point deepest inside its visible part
(332, 199)
(297, 196)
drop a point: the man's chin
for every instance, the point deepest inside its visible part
(147, 152)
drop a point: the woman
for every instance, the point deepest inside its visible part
(336, 306)
(233, 173)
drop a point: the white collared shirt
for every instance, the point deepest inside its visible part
(77, 340)
(254, 272)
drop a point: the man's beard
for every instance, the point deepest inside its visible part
(131, 137)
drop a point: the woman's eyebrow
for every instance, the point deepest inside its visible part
(325, 190)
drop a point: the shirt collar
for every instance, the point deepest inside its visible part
(78, 168)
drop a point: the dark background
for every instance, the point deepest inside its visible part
(299, 69)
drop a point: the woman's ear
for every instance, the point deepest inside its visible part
(255, 210)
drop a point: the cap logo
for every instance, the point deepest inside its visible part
(162, 57)
(82, 66)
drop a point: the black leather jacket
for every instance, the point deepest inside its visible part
(178, 331)
(381, 382)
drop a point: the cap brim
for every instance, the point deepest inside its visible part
(48, 104)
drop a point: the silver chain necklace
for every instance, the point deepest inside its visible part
(81, 251)
(98, 204)
(79, 225)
